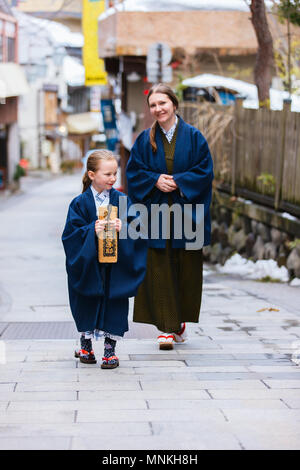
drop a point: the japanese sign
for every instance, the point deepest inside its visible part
(94, 67)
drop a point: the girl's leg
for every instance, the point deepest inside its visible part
(86, 353)
(109, 360)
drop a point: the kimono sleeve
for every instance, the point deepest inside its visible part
(80, 245)
(196, 181)
(141, 179)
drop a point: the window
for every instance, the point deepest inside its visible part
(11, 49)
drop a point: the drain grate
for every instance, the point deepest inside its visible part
(64, 330)
(38, 330)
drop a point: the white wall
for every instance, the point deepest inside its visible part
(13, 149)
(28, 126)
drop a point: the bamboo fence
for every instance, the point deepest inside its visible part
(256, 152)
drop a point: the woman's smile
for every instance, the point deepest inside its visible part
(162, 109)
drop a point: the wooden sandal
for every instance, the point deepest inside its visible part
(85, 357)
(110, 362)
(166, 342)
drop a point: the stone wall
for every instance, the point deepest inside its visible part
(255, 232)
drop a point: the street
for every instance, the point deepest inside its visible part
(234, 385)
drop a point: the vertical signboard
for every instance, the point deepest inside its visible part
(110, 123)
(94, 67)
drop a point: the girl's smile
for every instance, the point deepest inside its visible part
(105, 176)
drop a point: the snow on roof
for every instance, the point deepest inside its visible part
(73, 72)
(245, 89)
(210, 80)
(179, 5)
(53, 32)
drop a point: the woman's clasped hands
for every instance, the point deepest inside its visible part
(166, 183)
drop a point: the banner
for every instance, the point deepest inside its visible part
(110, 123)
(94, 67)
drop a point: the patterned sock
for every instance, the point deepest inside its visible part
(109, 347)
(86, 344)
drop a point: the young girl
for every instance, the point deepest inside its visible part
(99, 292)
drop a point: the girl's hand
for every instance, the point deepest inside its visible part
(115, 224)
(118, 225)
(166, 183)
(100, 226)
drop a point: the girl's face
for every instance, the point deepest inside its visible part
(105, 176)
(162, 109)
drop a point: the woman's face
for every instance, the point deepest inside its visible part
(162, 108)
(105, 176)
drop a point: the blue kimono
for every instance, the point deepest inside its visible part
(99, 292)
(192, 171)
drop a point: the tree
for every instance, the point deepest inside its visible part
(264, 65)
(288, 10)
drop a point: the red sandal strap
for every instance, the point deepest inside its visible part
(83, 351)
(107, 359)
(86, 353)
(181, 331)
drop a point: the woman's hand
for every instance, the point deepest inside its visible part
(166, 183)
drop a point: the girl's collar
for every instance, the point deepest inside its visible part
(95, 192)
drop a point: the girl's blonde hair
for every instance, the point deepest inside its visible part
(165, 90)
(93, 165)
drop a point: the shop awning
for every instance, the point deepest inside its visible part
(84, 123)
(13, 77)
(2, 89)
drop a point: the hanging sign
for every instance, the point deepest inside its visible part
(110, 123)
(94, 67)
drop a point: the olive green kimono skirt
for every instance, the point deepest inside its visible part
(172, 289)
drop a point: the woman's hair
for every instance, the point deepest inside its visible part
(92, 164)
(166, 90)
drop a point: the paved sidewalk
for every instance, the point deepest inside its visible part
(234, 385)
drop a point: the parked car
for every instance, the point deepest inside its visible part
(224, 90)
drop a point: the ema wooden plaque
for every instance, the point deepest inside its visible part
(108, 238)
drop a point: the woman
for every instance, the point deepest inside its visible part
(170, 163)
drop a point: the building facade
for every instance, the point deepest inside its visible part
(13, 84)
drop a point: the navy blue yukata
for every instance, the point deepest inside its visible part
(99, 292)
(192, 171)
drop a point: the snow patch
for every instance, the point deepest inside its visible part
(179, 5)
(286, 215)
(295, 282)
(254, 270)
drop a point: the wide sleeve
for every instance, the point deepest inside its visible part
(141, 178)
(196, 181)
(80, 245)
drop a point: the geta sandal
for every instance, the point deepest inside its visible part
(109, 362)
(85, 357)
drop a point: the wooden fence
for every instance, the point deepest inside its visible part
(256, 152)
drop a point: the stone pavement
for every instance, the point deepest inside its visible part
(234, 385)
